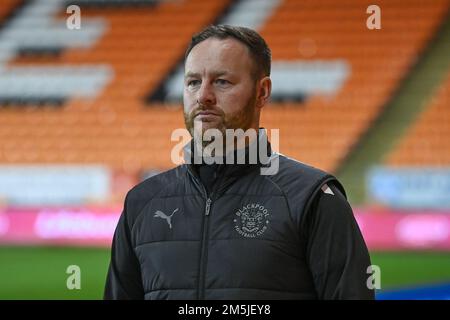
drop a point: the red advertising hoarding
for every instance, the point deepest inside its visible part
(387, 230)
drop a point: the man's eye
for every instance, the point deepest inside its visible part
(193, 83)
(222, 82)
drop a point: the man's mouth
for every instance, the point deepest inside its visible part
(206, 115)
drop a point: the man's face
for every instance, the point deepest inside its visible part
(219, 89)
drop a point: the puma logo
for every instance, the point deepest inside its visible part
(162, 215)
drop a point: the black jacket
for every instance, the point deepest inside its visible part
(252, 237)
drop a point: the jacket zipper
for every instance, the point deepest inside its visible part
(204, 241)
(204, 251)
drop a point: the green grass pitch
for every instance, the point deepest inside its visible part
(40, 272)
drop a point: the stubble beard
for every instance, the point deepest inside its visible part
(242, 119)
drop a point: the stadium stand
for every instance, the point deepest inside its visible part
(427, 141)
(324, 129)
(122, 55)
(7, 8)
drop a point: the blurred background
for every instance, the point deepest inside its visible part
(86, 113)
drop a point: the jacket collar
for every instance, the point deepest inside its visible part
(227, 173)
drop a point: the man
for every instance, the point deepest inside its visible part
(226, 231)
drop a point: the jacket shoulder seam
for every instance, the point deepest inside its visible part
(291, 220)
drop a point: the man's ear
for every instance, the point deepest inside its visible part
(265, 89)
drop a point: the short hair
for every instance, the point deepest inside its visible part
(257, 46)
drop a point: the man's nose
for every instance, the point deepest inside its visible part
(206, 96)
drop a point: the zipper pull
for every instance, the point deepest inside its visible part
(208, 206)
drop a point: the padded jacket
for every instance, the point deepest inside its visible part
(252, 237)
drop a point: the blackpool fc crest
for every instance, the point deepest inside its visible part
(251, 220)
